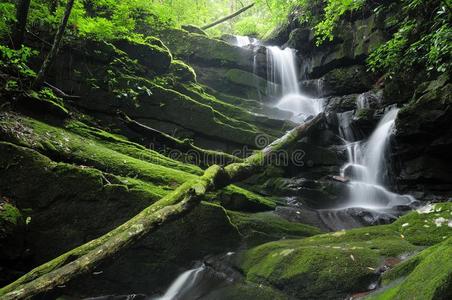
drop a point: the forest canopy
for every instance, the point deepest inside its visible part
(420, 36)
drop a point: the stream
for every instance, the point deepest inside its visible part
(368, 201)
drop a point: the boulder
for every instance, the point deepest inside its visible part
(345, 81)
(182, 71)
(152, 53)
(339, 264)
(199, 49)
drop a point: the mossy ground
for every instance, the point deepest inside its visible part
(331, 266)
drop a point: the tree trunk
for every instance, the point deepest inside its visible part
(228, 17)
(86, 257)
(22, 9)
(40, 78)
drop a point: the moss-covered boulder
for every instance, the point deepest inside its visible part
(182, 71)
(152, 53)
(237, 198)
(197, 48)
(246, 290)
(193, 29)
(334, 265)
(258, 228)
(432, 268)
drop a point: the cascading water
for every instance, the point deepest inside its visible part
(368, 199)
(366, 168)
(283, 78)
(182, 284)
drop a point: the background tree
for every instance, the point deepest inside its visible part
(55, 46)
(22, 9)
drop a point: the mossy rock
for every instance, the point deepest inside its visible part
(237, 198)
(151, 53)
(182, 71)
(193, 29)
(246, 79)
(347, 80)
(432, 268)
(246, 290)
(334, 265)
(84, 145)
(44, 102)
(68, 204)
(258, 228)
(12, 230)
(199, 48)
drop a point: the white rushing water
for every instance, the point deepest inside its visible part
(283, 77)
(242, 41)
(367, 168)
(182, 284)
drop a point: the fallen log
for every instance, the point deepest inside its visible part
(86, 257)
(227, 17)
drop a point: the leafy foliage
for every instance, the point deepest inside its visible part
(422, 42)
(334, 10)
(7, 18)
(15, 61)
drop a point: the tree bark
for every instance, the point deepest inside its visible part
(227, 17)
(22, 9)
(179, 202)
(195, 154)
(40, 78)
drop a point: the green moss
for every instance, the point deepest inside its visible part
(364, 114)
(246, 290)
(69, 204)
(186, 45)
(97, 149)
(327, 272)
(237, 198)
(182, 71)
(9, 214)
(262, 227)
(432, 268)
(151, 53)
(335, 264)
(46, 102)
(428, 228)
(247, 79)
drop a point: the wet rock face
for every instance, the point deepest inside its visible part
(424, 139)
(348, 80)
(354, 40)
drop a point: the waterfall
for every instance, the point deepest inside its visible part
(182, 284)
(242, 41)
(283, 78)
(366, 167)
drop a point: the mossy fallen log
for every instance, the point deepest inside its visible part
(87, 256)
